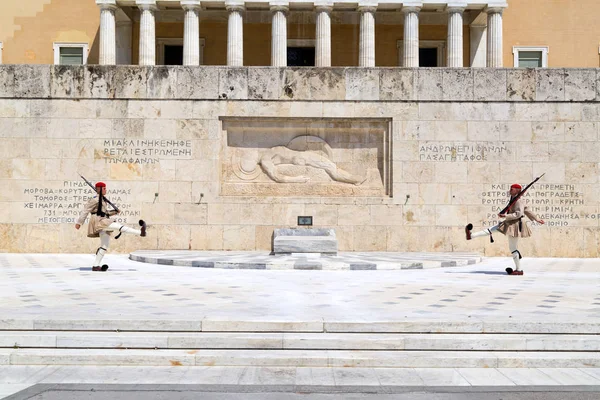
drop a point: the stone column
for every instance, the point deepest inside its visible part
(366, 50)
(108, 39)
(323, 35)
(494, 37)
(455, 35)
(279, 34)
(191, 32)
(147, 32)
(235, 33)
(411, 36)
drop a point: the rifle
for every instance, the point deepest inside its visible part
(94, 188)
(514, 200)
(505, 209)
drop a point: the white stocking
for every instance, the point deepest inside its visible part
(104, 242)
(485, 232)
(116, 227)
(516, 255)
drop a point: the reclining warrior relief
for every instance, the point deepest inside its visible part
(306, 150)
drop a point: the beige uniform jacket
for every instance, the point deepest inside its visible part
(513, 224)
(96, 223)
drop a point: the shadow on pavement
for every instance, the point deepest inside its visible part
(479, 272)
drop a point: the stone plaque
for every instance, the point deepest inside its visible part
(302, 157)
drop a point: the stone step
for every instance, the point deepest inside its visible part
(290, 260)
(299, 341)
(454, 325)
(301, 358)
(244, 379)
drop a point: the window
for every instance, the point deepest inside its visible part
(530, 57)
(431, 53)
(169, 51)
(70, 53)
(301, 52)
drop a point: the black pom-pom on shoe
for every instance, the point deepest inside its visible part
(468, 229)
(143, 225)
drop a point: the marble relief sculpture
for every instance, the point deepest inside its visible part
(305, 150)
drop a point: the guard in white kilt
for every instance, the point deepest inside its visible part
(101, 225)
(512, 226)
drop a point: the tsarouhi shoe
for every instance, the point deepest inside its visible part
(97, 268)
(104, 267)
(510, 271)
(468, 229)
(143, 225)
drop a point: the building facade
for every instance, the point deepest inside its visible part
(218, 153)
(463, 33)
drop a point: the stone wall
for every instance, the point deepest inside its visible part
(393, 159)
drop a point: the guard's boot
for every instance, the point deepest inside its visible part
(143, 229)
(97, 268)
(511, 271)
(104, 268)
(468, 230)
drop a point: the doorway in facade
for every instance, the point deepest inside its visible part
(301, 56)
(428, 57)
(173, 54)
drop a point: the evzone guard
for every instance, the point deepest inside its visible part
(101, 225)
(512, 226)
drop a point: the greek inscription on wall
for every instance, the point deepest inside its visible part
(145, 151)
(63, 203)
(558, 205)
(460, 151)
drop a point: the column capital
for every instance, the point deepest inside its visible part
(367, 9)
(411, 9)
(496, 3)
(456, 6)
(235, 5)
(283, 6)
(495, 6)
(367, 6)
(412, 6)
(494, 10)
(107, 4)
(325, 9)
(146, 4)
(190, 4)
(324, 5)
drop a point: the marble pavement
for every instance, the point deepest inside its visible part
(43, 286)
(60, 293)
